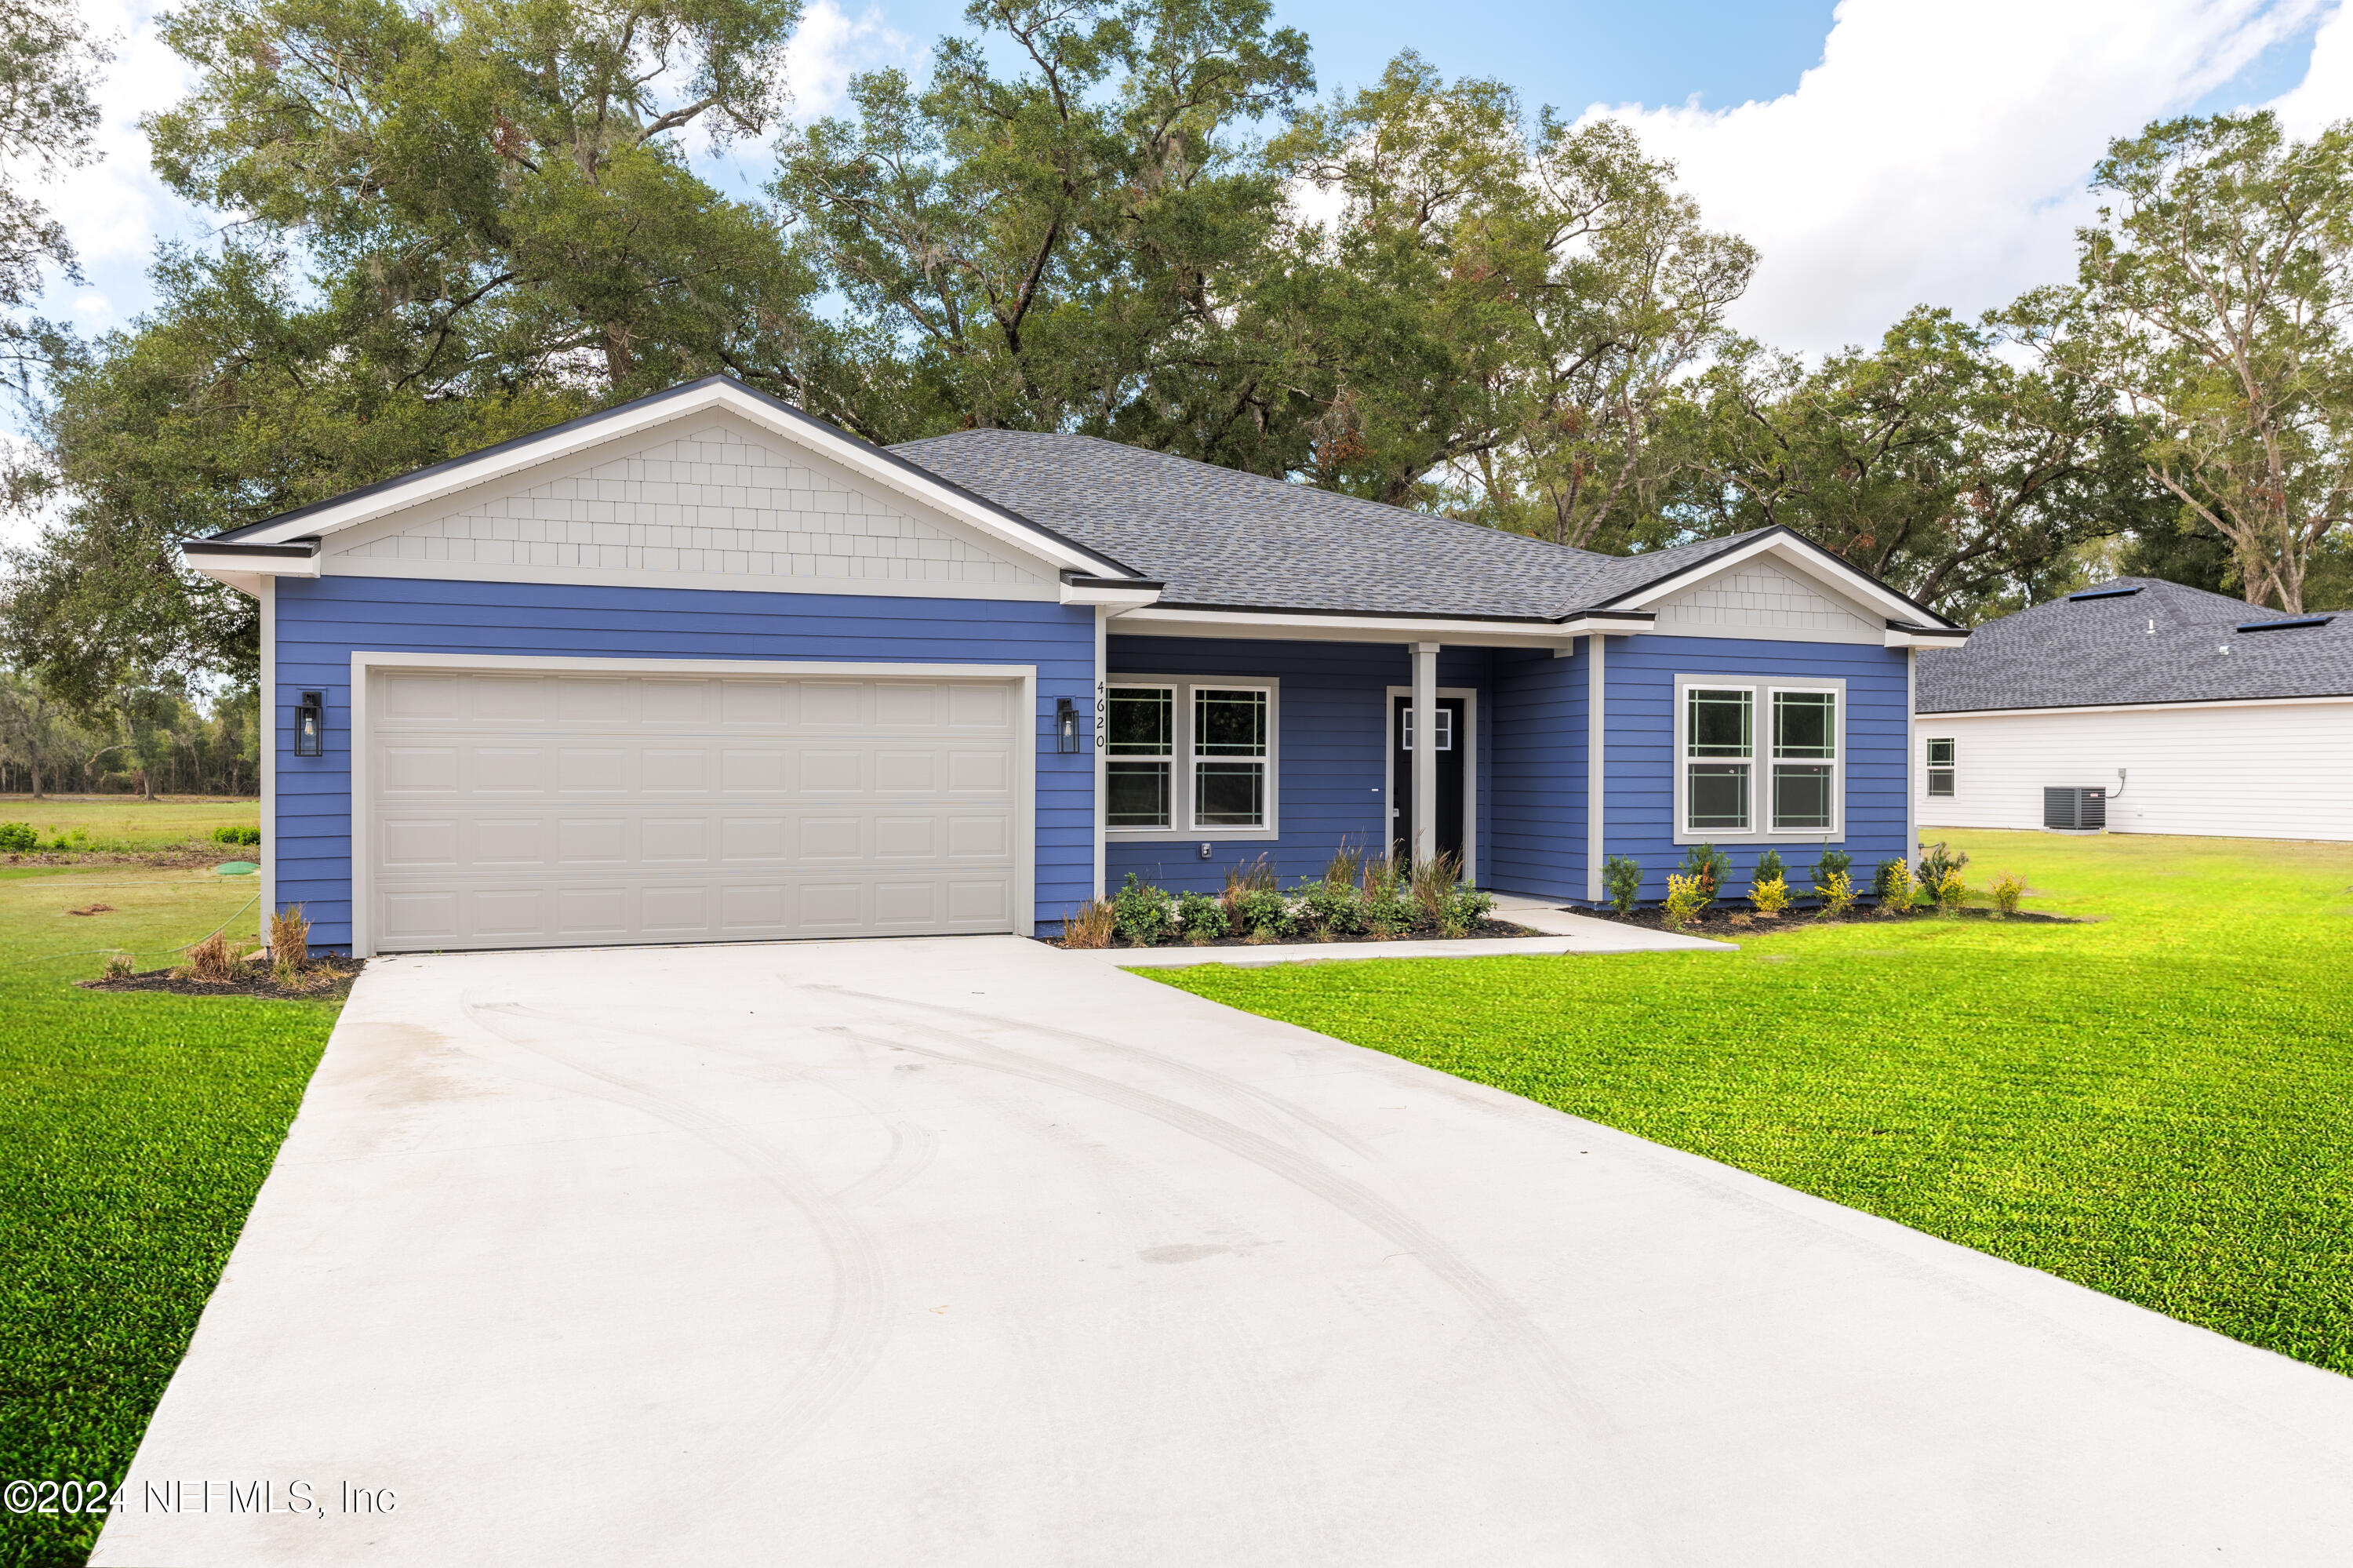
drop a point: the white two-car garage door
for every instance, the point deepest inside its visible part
(525, 810)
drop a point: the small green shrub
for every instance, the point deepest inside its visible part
(1686, 896)
(1332, 908)
(1833, 863)
(1251, 876)
(1623, 875)
(1769, 867)
(232, 834)
(1770, 895)
(1894, 887)
(18, 838)
(1461, 907)
(2006, 890)
(1949, 890)
(1838, 894)
(1266, 914)
(1711, 866)
(1388, 900)
(1937, 862)
(1202, 918)
(1141, 912)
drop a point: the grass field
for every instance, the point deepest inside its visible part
(109, 823)
(2158, 1105)
(134, 1130)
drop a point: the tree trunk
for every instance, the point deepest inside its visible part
(146, 788)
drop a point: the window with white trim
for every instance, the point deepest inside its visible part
(1187, 756)
(1762, 758)
(1941, 768)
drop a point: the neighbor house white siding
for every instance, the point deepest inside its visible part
(2268, 770)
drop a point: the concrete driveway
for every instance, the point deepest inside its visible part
(956, 1252)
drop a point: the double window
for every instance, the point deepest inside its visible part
(1940, 765)
(1759, 758)
(1189, 755)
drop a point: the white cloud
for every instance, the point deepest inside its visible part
(829, 47)
(2325, 94)
(1939, 153)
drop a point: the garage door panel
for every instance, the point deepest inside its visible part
(420, 770)
(833, 770)
(508, 769)
(593, 842)
(722, 809)
(974, 772)
(595, 770)
(669, 841)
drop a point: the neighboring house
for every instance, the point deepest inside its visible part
(2193, 712)
(703, 667)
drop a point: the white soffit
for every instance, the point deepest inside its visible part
(638, 422)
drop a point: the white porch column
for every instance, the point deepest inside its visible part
(1597, 816)
(1424, 838)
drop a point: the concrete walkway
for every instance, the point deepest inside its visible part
(959, 1252)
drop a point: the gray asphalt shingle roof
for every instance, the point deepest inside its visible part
(2160, 644)
(1218, 536)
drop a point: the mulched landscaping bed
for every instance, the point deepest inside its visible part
(1719, 922)
(332, 979)
(181, 859)
(1424, 933)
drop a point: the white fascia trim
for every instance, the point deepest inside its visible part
(1827, 570)
(1927, 639)
(2187, 706)
(1277, 625)
(635, 420)
(1113, 599)
(244, 570)
(365, 662)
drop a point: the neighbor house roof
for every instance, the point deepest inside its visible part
(1224, 539)
(2137, 640)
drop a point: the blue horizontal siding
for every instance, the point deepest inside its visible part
(321, 622)
(1331, 747)
(1638, 719)
(1539, 774)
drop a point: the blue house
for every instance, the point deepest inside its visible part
(703, 668)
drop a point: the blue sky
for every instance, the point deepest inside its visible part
(1936, 152)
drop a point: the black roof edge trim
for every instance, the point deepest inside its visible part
(1934, 621)
(303, 550)
(2105, 593)
(1533, 621)
(668, 393)
(1090, 579)
(1947, 630)
(2286, 625)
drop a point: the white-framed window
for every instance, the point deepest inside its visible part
(1761, 759)
(1186, 755)
(1941, 765)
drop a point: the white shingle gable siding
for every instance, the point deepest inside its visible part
(712, 503)
(1759, 600)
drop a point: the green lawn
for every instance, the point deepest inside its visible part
(134, 1130)
(119, 822)
(2158, 1105)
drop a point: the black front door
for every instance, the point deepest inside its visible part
(1452, 744)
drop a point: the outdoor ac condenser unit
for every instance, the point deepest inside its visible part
(2074, 810)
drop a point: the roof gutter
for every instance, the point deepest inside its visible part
(243, 567)
(1118, 593)
(1908, 634)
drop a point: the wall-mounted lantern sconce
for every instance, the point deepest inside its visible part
(309, 724)
(1066, 725)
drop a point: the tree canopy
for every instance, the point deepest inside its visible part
(448, 224)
